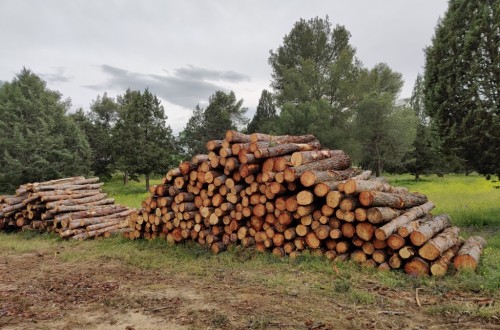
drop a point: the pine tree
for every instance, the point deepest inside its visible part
(462, 79)
(39, 141)
(265, 116)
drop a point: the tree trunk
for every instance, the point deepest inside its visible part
(429, 229)
(389, 228)
(398, 201)
(125, 178)
(440, 266)
(147, 181)
(377, 215)
(468, 256)
(310, 178)
(417, 267)
(305, 157)
(284, 149)
(437, 245)
(338, 163)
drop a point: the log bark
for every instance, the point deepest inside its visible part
(377, 215)
(430, 229)
(69, 187)
(439, 244)
(355, 186)
(70, 202)
(237, 137)
(282, 139)
(440, 266)
(284, 149)
(305, 157)
(82, 207)
(391, 227)
(338, 163)
(398, 201)
(313, 177)
(93, 212)
(469, 254)
(409, 228)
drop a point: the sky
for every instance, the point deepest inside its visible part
(185, 50)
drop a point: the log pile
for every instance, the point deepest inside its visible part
(287, 195)
(72, 207)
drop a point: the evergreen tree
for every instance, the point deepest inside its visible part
(462, 79)
(385, 130)
(223, 112)
(38, 141)
(98, 125)
(317, 66)
(264, 119)
(144, 143)
(423, 158)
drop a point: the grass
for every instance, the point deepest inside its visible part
(131, 194)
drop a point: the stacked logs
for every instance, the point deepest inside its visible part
(287, 195)
(72, 207)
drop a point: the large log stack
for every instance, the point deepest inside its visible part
(72, 207)
(287, 195)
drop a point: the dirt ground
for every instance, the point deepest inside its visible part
(40, 291)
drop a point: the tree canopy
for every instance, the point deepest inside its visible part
(462, 79)
(39, 141)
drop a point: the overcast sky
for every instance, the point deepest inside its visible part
(187, 49)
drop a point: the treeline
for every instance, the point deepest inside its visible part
(451, 123)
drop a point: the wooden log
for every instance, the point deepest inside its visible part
(439, 244)
(380, 256)
(69, 187)
(441, 265)
(313, 177)
(305, 197)
(365, 230)
(214, 145)
(337, 163)
(78, 201)
(469, 254)
(417, 267)
(81, 207)
(377, 215)
(333, 198)
(282, 139)
(391, 227)
(410, 227)
(355, 186)
(237, 137)
(284, 149)
(395, 261)
(407, 252)
(398, 201)
(396, 242)
(430, 229)
(305, 157)
(358, 256)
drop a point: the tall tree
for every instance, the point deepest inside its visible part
(39, 141)
(384, 128)
(462, 83)
(223, 112)
(265, 116)
(424, 157)
(317, 65)
(98, 125)
(144, 143)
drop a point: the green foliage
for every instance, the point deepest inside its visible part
(385, 130)
(265, 117)
(462, 75)
(143, 143)
(98, 125)
(38, 141)
(424, 158)
(223, 113)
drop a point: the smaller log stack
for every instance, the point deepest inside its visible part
(72, 207)
(287, 195)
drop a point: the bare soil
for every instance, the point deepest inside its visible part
(41, 291)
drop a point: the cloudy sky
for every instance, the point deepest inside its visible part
(184, 50)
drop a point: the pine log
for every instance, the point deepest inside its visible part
(305, 197)
(82, 207)
(469, 254)
(398, 201)
(69, 187)
(417, 267)
(237, 137)
(340, 162)
(430, 229)
(214, 145)
(282, 139)
(70, 202)
(439, 244)
(305, 157)
(396, 242)
(284, 149)
(407, 252)
(358, 256)
(440, 266)
(377, 215)
(409, 228)
(355, 186)
(93, 212)
(53, 198)
(391, 227)
(365, 230)
(313, 177)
